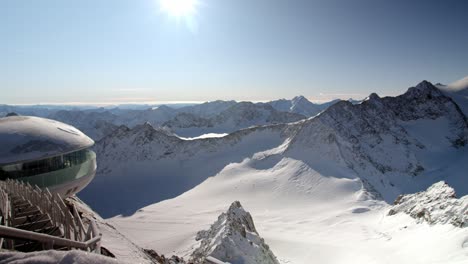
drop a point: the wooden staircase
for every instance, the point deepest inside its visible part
(27, 216)
(33, 219)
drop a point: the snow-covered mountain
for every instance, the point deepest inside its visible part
(299, 105)
(98, 123)
(154, 116)
(391, 144)
(234, 239)
(150, 164)
(207, 109)
(187, 121)
(238, 116)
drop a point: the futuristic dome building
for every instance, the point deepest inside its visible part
(46, 153)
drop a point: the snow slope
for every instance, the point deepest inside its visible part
(119, 245)
(305, 217)
(149, 165)
(394, 144)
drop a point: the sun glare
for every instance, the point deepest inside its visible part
(178, 8)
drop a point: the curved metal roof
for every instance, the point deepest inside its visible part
(26, 138)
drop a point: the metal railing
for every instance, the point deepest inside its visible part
(62, 216)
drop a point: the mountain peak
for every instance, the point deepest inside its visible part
(424, 83)
(145, 126)
(299, 98)
(373, 96)
(237, 214)
(163, 108)
(423, 88)
(233, 238)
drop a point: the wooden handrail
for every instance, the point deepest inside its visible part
(15, 233)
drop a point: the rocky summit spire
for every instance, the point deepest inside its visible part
(234, 239)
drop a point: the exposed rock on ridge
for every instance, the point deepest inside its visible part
(437, 205)
(233, 238)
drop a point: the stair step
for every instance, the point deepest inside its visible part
(26, 213)
(24, 207)
(37, 225)
(21, 204)
(52, 230)
(17, 221)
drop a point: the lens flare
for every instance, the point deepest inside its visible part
(178, 8)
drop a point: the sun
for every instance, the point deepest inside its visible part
(178, 8)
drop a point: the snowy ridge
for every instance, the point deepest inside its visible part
(207, 109)
(189, 121)
(145, 142)
(145, 158)
(375, 138)
(239, 116)
(383, 140)
(437, 205)
(298, 105)
(234, 239)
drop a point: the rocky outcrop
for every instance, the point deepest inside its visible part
(437, 205)
(234, 239)
(161, 259)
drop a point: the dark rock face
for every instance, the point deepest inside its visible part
(161, 259)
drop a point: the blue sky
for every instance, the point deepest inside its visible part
(95, 51)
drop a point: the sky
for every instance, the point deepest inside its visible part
(111, 51)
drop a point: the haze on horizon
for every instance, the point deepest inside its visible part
(116, 51)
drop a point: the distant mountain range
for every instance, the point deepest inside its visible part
(188, 121)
